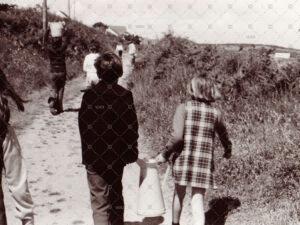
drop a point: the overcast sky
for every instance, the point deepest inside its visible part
(209, 21)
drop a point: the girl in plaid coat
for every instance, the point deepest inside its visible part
(195, 123)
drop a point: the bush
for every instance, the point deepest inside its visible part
(261, 111)
(24, 59)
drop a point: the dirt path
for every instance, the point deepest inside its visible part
(57, 179)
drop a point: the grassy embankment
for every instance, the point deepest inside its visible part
(261, 109)
(23, 58)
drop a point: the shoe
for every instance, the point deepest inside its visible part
(51, 101)
(53, 110)
(27, 222)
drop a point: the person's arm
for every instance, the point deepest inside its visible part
(175, 143)
(82, 121)
(223, 135)
(132, 135)
(66, 40)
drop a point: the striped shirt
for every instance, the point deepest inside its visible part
(57, 58)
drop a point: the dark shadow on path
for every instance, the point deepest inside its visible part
(148, 221)
(72, 110)
(219, 209)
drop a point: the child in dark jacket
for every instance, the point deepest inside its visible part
(108, 128)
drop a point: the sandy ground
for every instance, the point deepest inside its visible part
(57, 179)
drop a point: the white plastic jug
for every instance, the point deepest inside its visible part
(150, 198)
(56, 28)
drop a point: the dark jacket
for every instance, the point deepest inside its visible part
(108, 128)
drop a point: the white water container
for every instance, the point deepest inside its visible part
(150, 198)
(56, 28)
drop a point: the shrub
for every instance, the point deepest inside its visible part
(261, 111)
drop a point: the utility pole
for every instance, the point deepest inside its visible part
(74, 9)
(45, 21)
(69, 8)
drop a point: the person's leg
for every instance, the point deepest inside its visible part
(52, 101)
(61, 90)
(16, 177)
(3, 220)
(178, 197)
(99, 193)
(198, 206)
(60, 99)
(116, 216)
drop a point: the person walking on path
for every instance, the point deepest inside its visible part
(192, 145)
(57, 57)
(89, 65)
(119, 49)
(132, 51)
(11, 160)
(125, 80)
(109, 133)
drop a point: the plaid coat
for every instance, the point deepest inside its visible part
(194, 165)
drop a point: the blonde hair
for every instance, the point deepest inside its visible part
(203, 88)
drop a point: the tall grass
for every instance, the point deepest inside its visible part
(261, 108)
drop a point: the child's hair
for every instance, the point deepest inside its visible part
(109, 67)
(203, 88)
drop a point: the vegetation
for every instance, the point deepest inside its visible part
(261, 108)
(23, 56)
(261, 101)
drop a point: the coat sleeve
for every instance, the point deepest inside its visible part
(132, 135)
(83, 126)
(175, 143)
(223, 134)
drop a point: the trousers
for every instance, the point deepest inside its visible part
(15, 173)
(106, 199)
(58, 82)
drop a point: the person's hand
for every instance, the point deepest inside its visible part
(160, 158)
(227, 155)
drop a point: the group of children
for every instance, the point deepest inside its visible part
(190, 150)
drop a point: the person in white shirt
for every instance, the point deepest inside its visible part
(119, 49)
(132, 51)
(89, 68)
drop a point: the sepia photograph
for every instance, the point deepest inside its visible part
(147, 112)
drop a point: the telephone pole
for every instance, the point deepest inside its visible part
(69, 8)
(74, 9)
(45, 21)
